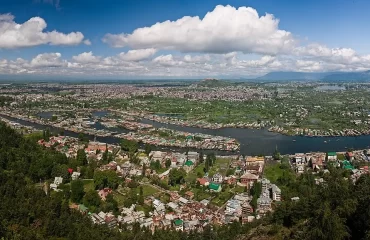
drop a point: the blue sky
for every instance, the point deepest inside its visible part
(319, 35)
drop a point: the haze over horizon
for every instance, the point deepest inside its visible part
(181, 39)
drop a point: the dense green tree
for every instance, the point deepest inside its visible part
(77, 191)
(103, 179)
(148, 149)
(81, 157)
(105, 157)
(82, 137)
(155, 165)
(92, 199)
(201, 157)
(168, 163)
(47, 134)
(177, 176)
(129, 146)
(276, 155)
(111, 204)
(60, 171)
(141, 196)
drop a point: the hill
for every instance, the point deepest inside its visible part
(292, 76)
(317, 76)
(211, 82)
(348, 76)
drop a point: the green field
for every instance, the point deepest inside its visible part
(147, 190)
(119, 198)
(273, 171)
(222, 198)
(88, 185)
(220, 166)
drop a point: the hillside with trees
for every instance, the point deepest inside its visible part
(334, 209)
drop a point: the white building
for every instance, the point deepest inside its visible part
(276, 193)
(217, 178)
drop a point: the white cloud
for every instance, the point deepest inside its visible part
(166, 60)
(31, 33)
(87, 42)
(197, 59)
(6, 17)
(225, 29)
(338, 55)
(309, 66)
(48, 60)
(86, 57)
(137, 55)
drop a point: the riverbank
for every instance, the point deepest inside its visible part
(318, 133)
(291, 131)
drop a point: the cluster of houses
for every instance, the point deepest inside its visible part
(187, 161)
(319, 161)
(182, 214)
(70, 145)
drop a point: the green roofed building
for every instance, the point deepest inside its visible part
(332, 156)
(215, 187)
(189, 137)
(347, 165)
(189, 163)
(178, 222)
(179, 225)
(82, 208)
(188, 166)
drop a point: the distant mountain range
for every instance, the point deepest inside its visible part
(321, 76)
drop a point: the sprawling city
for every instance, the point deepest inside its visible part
(208, 122)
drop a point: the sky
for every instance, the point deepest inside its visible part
(125, 39)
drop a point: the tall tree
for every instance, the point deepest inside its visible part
(148, 149)
(92, 199)
(81, 157)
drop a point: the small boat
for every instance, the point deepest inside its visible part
(294, 140)
(325, 141)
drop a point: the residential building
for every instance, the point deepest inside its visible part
(332, 156)
(247, 209)
(188, 166)
(265, 184)
(254, 160)
(263, 205)
(57, 182)
(203, 181)
(248, 178)
(214, 187)
(217, 178)
(276, 193)
(75, 175)
(179, 225)
(189, 195)
(104, 193)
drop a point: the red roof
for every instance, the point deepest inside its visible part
(202, 181)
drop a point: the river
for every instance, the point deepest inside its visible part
(261, 141)
(252, 141)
